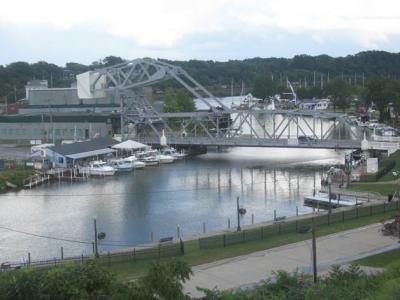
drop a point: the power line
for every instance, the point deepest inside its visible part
(121, 243)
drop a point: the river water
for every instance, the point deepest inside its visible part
(128, 207)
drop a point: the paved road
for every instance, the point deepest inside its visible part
(339, 248)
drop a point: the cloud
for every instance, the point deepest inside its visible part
(178, 28)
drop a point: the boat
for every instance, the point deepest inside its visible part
(172, 152)
(387, 131)
(136, 164)
(121, 165)
(98, 168)
(149, 157)
(165, 159)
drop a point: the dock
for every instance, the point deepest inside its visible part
(52, 175)
(36, 180)
(321, 200)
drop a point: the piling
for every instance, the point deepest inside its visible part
(229, 223)
(178, 232)
(204, 227)
(252, 219)
(62, 253)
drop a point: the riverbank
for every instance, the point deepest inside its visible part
(13, 179)
(194, 255)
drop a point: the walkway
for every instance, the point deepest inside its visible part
(338, 248)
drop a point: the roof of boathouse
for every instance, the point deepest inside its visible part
(88, 148)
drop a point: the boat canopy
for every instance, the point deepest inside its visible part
(130, 145)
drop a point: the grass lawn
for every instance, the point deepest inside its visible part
(381, 188)
(194, 256)
(389, 176)
(381, 260)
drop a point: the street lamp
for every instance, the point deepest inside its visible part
(238, 216)
(239, 212)
(330, 172)
(97, 237)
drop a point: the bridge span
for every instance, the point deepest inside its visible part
(253, 142)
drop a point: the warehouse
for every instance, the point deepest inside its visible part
(55, 127)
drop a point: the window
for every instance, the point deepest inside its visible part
(61, 160)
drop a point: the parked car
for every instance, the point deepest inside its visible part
(304, 139)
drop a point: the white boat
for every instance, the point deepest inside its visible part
(136, 164)
(387, 131)
(99, 168)
(148, 157)
(172, 152)
(121, 165)
(165, 159)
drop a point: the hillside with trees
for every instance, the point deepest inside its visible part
(312, 76)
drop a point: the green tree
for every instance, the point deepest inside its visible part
(264, 87)
(178, 100)
(164, 280)
(381, 90)
(339, 93)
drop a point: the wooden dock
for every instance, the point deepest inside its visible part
(54, 175)
(36, 180)
(321, 200)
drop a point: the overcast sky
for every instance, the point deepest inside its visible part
(83, 31)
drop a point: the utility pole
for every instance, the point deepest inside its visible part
(322, 81)
(238, 215)
(15, 94)
(96, 250)
(330, 191)
(314, 78)
(314, 252)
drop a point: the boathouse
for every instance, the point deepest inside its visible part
(68, 155)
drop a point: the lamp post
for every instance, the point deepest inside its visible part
(238, 214)
(330, 190)
(96, 250)
(314, 251)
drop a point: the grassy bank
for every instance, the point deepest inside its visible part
(378, 187)
(15, 177)
(194, 255)
(381, 260)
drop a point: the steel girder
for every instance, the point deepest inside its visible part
(128, 79)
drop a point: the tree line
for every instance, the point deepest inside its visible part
(309, 72)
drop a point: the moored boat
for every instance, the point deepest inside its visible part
(98, 168)
(121, 165)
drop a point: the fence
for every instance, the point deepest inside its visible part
(166, 250)
(134, 255)
(294, 226)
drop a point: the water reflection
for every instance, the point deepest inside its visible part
(129, 207)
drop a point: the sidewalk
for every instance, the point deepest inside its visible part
(338, 248)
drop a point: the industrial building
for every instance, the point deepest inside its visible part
(55, 128)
